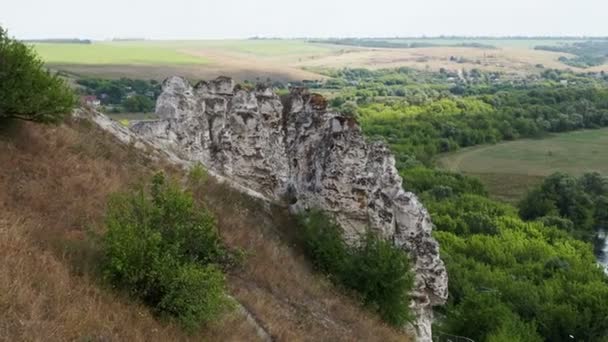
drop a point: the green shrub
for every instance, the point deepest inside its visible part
(375, 269)
(162, 249)
(194, 294)
(380, 272)
(323, 242)
(198, 175)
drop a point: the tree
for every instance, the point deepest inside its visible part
(138, 103)
(580, 201)
(27, 90)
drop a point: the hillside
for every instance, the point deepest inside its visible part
(54, 186)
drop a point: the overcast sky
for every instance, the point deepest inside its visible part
(198, 19)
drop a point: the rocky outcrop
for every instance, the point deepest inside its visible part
(297, 152)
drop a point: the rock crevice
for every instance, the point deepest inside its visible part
(295, 151)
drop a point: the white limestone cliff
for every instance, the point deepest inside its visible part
(297, 152)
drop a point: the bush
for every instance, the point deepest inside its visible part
(323, 242)
(163, 250)
(380, 272)
(194, 294)
(197, 176)
(376, 269)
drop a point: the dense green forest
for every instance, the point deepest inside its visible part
(122, 95)
(421, 114)
(510, 279)
(578, 205)
(528, 277)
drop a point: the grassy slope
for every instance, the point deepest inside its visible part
(54, 184)
(510, 168)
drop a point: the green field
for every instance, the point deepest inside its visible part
(255, 47)
(113, 53)
(197, 59)
(172, 52)
(509, 169)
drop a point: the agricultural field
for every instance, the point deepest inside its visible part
(241, 59)
(111, 54)
(295, 59)
(528, 43)
(509, 169)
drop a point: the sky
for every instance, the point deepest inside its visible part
(217, 19)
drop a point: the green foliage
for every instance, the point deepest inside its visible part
(27, 90)
(123, 94)
(138, 103)
(484, 312)
(349, 109)
(163, 250)
(197, 176)
(380, 273)
(582, 202)
(377, 270)
(194, 294)
(444, 125)
(514, 281)
(323, 243)
(420, 114)
(525, 272)
(587, 54)
(421, 179)
(510, 280)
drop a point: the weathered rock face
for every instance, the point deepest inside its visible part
(295, 151)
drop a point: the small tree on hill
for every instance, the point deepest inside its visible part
(27, 90)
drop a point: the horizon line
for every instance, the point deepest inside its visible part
(421, 37)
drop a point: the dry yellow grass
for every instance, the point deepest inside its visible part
(277, 284)
(54, 184)
(41, 299)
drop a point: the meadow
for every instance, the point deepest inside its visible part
(509, 169)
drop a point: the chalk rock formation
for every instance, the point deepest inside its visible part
(297, 152)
